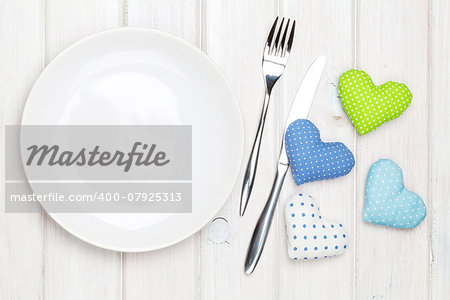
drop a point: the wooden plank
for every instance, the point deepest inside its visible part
(323, 28)
(392, 39)
(234, 34)
(181, 18)
(73, 267)
(21, 37)
(68, 21)
(440, 147)
(170, 273)
(392, 44)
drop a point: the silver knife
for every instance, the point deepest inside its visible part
(299, 110)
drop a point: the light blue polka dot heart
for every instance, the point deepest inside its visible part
(310, 158)
(387, 201)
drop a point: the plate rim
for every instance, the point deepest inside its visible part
(74, 45)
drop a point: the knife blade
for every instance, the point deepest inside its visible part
(299, 109)
(306, 91)
(303, 99)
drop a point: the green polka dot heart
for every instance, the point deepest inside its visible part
(367, 105)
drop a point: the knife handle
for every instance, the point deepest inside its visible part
(250, 171)
(265, 220)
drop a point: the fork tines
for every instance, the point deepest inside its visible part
(276, 46)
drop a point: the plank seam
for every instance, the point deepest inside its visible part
(355, 177)
(44, 215)
(122, 282)
(198, 245)
(430, 156)
(279, 127)
(125, 13)
(201, 25)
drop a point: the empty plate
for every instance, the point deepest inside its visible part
(145, 77)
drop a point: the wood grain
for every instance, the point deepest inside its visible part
(392, 44)
(323, 28)
(170, 273)
(233, 36)
(406, 41)
(182, 18)
(74, 269)
(21, 61)
(439, 148)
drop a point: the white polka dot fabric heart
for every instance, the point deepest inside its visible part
(308, 235)
(387, 201)
(310, 158)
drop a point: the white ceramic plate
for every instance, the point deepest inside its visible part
(141, 76)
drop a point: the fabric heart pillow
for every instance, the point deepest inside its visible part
(310, 158)
(387, 201)
(309, 236)
(367, 105)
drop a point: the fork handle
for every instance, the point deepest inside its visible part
(250, 171)
(261, 231)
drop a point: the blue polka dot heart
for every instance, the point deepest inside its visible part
(310, 158)
(387, 201)
(309, 236)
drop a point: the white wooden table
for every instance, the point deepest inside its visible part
(407, 41)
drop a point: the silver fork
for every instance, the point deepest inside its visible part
(274, 61)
